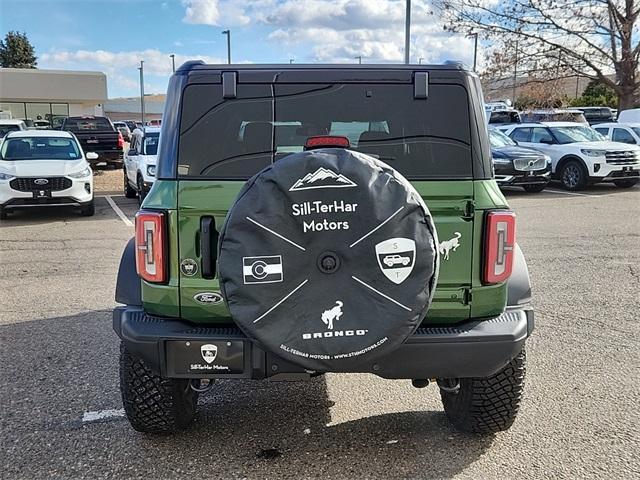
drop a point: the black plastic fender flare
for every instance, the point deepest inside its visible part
(129, 285)
(519, 284)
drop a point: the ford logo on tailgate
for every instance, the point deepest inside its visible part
(208, 298)
(41, 181)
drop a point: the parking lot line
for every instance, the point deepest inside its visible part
(102, 414)
(119, 212)
(571, 193)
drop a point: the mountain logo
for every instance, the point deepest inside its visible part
(322, 178)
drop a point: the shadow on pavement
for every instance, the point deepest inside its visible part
(56, 369)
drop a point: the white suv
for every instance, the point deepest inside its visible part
(140, 162)
(44, 167)
(580, 155)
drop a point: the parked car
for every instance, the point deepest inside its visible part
(294, 282)
(518, 166)
(98, 135)
(140, 162)
(620, 132)
(44, 167)
(131, 124)
(596, 115)
(629, 116)
(123, 128)
(11, 125)
(504, 116)
(553, 115)
(579, 154)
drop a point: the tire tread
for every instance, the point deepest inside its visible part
(487, 405)
(154, 404)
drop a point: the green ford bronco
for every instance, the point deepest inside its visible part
(326, 218)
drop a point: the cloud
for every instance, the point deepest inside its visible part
(121, 68)
(338, 30)
(216, 12)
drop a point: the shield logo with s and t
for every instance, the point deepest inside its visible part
(209, 352)
(396, 258)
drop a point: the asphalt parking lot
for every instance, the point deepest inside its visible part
(579, 417)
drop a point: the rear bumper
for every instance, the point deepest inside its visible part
(114, 156)
(478, 348)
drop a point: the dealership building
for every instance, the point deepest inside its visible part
(45, 97)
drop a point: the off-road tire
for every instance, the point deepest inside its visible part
(88, 210)
(573, 176)
(129, 191)
(534, 187)
(154, 404)
(141, 193)
(626, 183)
(487, 405)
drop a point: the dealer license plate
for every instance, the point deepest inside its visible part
(42, 194)
(205, 358)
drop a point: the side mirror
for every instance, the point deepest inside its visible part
(547, 141)
(131, 153)
(91, 156)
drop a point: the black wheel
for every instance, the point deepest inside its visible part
(626, 183)
(573, 176)
(154, 404)
(89, 209)
(141, 191)
(487, 405)
(3, 214)
(534, 187)
(129, 191)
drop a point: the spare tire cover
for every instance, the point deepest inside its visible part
(328, 259)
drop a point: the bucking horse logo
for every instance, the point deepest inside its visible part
(333, 314)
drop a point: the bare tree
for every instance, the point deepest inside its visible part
(596, 39)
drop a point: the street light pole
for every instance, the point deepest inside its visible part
(141, 68)
(420, 60)
(228, 34)
(515, 74)
(407, 32)
(173, 63)
(291, 61)
(359, 57)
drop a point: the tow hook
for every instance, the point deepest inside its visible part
(420, 382)
(201, 385)
(449, 385)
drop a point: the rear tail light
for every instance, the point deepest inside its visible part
(120, 140)
(151, 246)
(499, 242)
(326, 141)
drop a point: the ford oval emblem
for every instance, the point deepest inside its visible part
(208, 298)
(41, 181)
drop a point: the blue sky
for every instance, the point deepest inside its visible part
(113, 36)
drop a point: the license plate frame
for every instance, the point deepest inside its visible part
(186, 358)
(44, 193)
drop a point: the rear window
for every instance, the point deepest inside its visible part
(151, 141)
(80, 124)
(4, 129)
(236, 138)
(40, 148)
(502, 116)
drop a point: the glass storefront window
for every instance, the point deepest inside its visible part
(40, 114)
(16, 109)
(37, 115)
(59, 111)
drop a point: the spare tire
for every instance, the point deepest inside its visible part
(328, 259)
